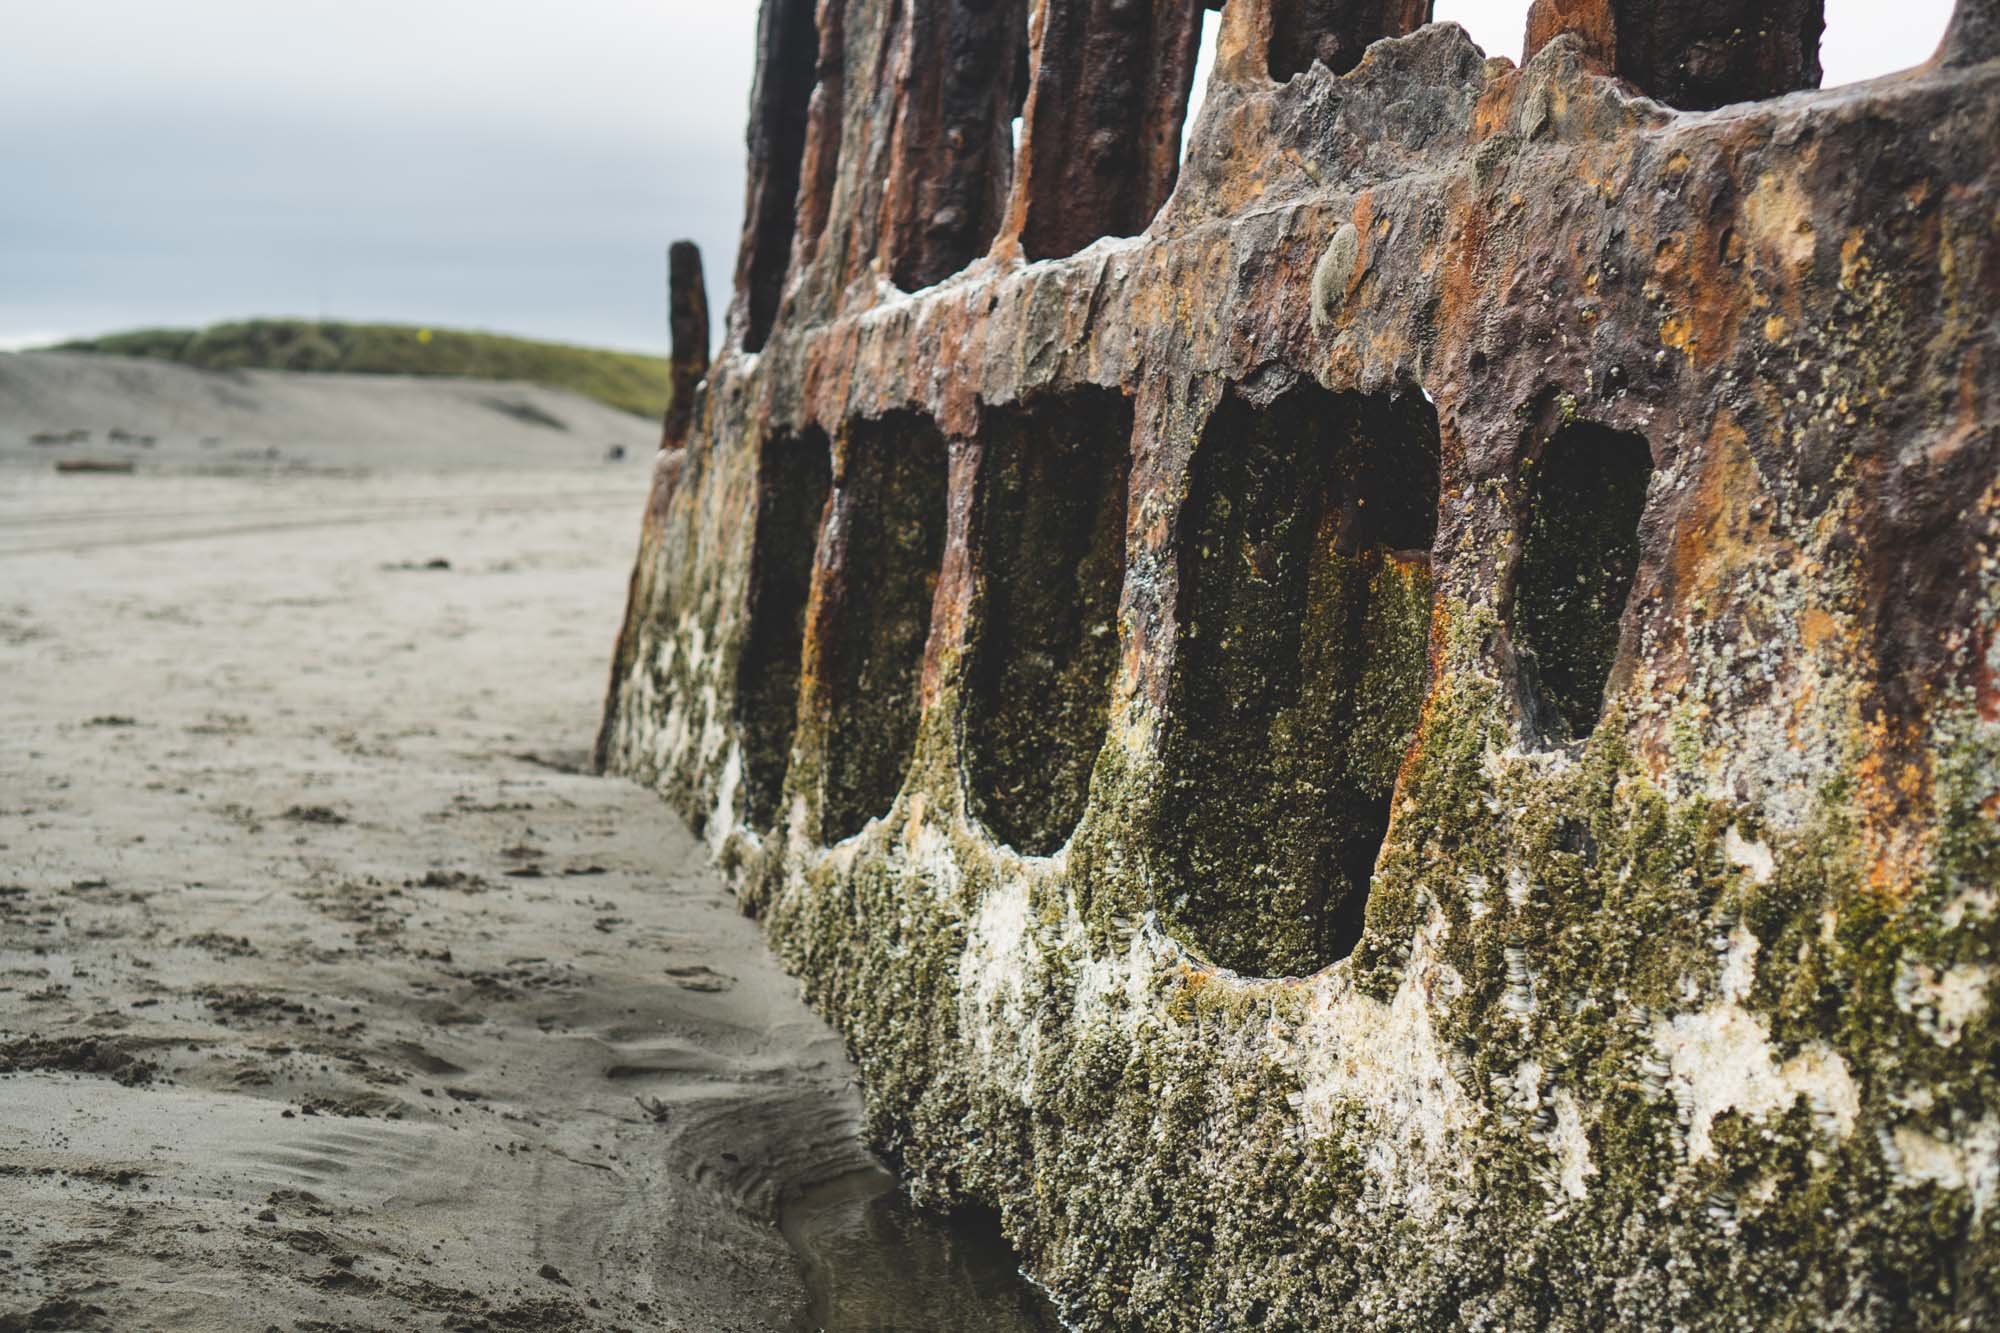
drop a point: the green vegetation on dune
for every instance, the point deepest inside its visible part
(630, 381)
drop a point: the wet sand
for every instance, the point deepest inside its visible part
(333, 992)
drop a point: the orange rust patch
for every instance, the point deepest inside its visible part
(1609, 173)
(1718, 533)
(1364, 218)
(1889, 788)
(1495, 112)
(1986, 682)
(1669, 253)
(1853, 263)
(1817, 628)
(1777, 214)
(1705, 302)
(1677, 332)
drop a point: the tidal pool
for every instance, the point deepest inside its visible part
(874, 1263)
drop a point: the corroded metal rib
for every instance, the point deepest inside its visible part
(687, 324)
(787, 57)
(951, 149)
(1693, 55)
(1336, 32)
(1103, 132)
(819, 172)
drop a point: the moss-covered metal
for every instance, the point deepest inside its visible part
(1684, 1023)
(1050, 519)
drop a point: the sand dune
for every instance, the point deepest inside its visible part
(208, 421)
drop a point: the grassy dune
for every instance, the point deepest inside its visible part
(631, 381)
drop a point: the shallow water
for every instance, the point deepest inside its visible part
(875, 1264)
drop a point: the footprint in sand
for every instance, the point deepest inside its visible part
(697, 977)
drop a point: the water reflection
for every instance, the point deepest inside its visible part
(874, 1264)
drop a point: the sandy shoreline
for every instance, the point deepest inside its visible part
(332, 995)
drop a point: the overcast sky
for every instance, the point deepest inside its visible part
(517, 165)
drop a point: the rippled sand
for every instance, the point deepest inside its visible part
(331, 988)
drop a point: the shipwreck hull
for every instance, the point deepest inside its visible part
(1417, 744)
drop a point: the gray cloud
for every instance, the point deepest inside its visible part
(510, 164)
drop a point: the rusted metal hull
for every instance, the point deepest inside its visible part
(1669, 835)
